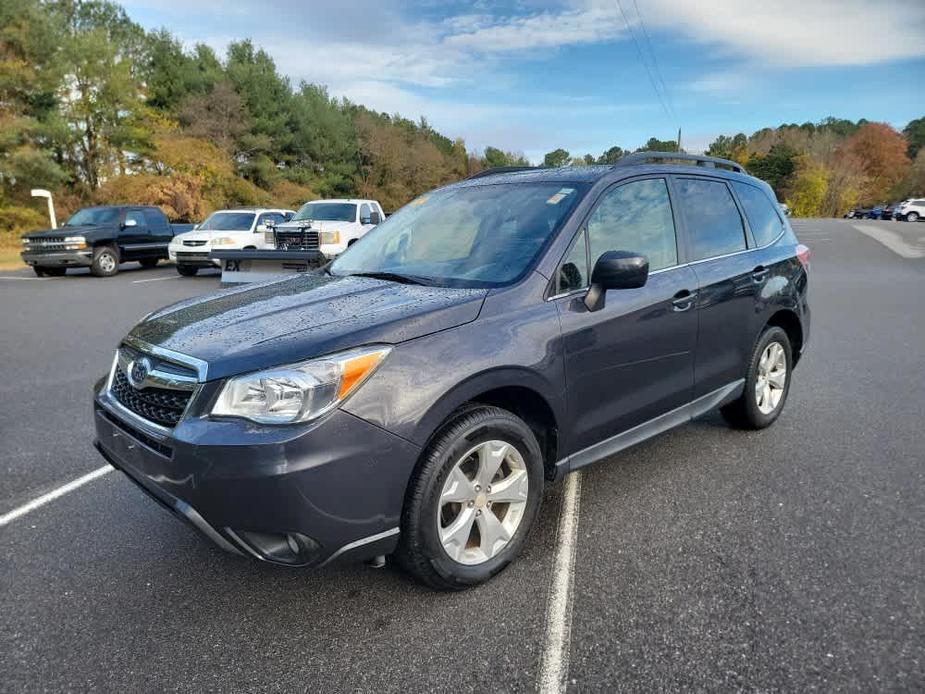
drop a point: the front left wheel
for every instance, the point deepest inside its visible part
(473, 500)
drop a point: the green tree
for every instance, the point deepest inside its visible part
(557, 157)
(656, 145)
(915, 136)
(611, 156)
(775, 168)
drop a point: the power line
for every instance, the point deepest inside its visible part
(642, 60)
(658, 71)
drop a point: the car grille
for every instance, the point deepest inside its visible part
(194, 243)
(158, 405)
(192, 256)
(162, 406)
(297, 240)
(47, 241)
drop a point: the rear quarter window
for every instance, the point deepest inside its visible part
(762, 216)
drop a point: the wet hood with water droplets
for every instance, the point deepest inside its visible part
(301, 317)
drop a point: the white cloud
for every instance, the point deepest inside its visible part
(799, 33)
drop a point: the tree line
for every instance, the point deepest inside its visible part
(99, 110)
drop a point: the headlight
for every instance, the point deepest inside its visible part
(299, 392)
(329, 237)
(224, 241)
(25, 242)
(75, 242)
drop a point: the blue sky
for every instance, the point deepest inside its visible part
(533, 75)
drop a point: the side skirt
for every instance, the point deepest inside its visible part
(653, 427)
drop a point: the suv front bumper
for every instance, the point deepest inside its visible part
(294, 495)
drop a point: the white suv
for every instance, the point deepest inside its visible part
(335, 225)
(911, 210)
(224, 230)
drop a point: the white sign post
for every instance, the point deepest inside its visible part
(41, 193)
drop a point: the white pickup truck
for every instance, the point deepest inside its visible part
(224, 230)
(328, 226)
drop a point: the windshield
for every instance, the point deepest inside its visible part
(228, 221)
(90, 216)
(327, 212)
(474, 236)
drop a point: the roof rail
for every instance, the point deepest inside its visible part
(499, 170)
(698, 159)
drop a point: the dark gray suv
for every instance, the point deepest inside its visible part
(414, 396)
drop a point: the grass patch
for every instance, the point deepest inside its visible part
(10, 260)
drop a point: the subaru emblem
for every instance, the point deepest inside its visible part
(138, 371)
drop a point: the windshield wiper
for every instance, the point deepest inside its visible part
(394, 277)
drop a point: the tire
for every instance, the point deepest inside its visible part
(105, 262)
(455, 449)
(757, 408)
(187, 270)
(38, 270)
(148, 263)
(912, 217)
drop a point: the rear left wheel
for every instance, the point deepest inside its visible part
(473, 501)
(767, 383)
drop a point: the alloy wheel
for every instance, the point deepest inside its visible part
(482, 502)
(107, 262)
(772, 378)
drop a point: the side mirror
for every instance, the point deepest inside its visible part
(129, 223)
(616, 270)
(374, 218)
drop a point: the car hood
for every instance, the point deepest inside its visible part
(202, 235)
(301, 317)
(68, 231)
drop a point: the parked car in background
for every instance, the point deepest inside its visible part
(100, 238)
(912, 210)
(876, 211)
(417, 394)
(858, 213)
(224, 230)
(329, 226)
(889, 212)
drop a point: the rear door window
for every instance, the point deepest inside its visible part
(763, 219)
(713, 220)
(156, 221)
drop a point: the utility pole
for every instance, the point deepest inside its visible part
(679, 140)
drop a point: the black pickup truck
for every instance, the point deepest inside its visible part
(100, 238)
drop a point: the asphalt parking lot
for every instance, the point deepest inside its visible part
(787, 559)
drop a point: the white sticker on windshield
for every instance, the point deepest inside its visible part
(561, 195)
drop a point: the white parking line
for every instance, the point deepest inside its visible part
(30, 279)
(554, 665)
(157, 279)
(53, 494)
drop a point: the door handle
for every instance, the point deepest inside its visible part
(759, 273)
(683, 300)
